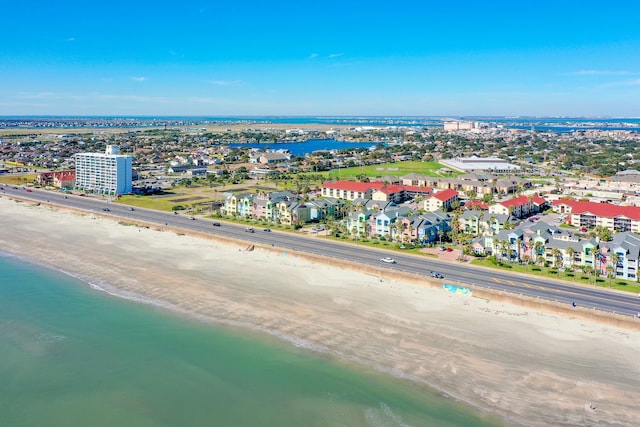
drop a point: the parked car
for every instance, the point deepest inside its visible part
(268, 230)
(436, 275)
(388, 260)
(29, 190)
(192, 218)
(442, 248)
(449, 250)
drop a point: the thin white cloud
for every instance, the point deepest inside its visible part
(135, 98)
(336, 55)
(71, 39)
(138, 78)
(603, 73)
(38, 95)
(313, 56)
(629, 82)
(225, 82)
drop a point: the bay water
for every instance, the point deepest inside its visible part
(71, 355)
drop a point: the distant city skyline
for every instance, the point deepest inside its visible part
(250, 58)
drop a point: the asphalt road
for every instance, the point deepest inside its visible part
(537, 287)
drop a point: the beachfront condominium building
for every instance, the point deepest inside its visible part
(104, 173)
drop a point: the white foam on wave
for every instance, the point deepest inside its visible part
(49, 338)
(383, 417)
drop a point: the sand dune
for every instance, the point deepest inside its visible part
(531, 367)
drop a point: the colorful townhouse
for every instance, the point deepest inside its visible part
(623, 255)
(262, 205)
(562, 248)
(479, 223)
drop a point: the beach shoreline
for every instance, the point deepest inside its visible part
(530, 367)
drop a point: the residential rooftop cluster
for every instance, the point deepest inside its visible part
(491, 180)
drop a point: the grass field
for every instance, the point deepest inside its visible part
(392, 169)
(17, 179)
(572, 276)
(195, 200)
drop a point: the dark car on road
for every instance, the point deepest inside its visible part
(216, 224)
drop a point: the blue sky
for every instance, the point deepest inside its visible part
(419, 58)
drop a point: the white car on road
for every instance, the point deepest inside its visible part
(388, 260)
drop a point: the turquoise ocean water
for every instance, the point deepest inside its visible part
(74, 356)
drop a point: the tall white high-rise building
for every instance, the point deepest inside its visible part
(104, 173)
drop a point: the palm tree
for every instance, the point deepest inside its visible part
(538, 248)
(588, 270)
(396, 230)
(615, 259)
(540, 260)
(601, 259)
(571, 253)
(557, 257)
(492, 221)
(480, 219)
(504, 247)
(610, 272)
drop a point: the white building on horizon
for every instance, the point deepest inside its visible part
(453, 125)
(481, 165)
(104, 173)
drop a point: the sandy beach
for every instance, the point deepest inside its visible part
(533, 368)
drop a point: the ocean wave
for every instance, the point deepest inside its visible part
(49, 338)
(383, 417)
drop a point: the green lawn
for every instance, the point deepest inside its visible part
(167, 202)
(572, 276)
(391, 169)
(15, 179)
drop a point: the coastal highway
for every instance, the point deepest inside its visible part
(582, 295)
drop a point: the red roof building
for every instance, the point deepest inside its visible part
(59, 179)
(375, 190)
(591, 214)
(519, 207)
(476, 205)
(442, 200)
